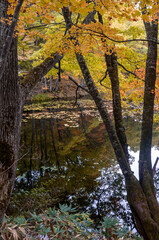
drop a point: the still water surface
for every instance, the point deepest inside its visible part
(67, 158)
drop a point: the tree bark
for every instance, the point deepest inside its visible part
(112, 68)
(111, 61)
(8, 41)
(145, 165)
(10, 117)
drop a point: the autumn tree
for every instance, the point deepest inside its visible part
(140, 193)
(88, 29)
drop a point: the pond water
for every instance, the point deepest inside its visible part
(66, 157)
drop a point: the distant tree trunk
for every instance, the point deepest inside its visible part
(51, 79)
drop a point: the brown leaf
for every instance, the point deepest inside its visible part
(22, 230)
(14, 233)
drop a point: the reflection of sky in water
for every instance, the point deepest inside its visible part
(106, 191)
(134, 166)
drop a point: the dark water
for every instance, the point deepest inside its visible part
(66, 157)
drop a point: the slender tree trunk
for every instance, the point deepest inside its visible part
(112, 68)
(145, 165)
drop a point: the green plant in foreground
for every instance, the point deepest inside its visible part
(14, 229)
(64, 223)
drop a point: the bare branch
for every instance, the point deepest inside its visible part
(6, 170)
(78, 85)
(90, 18)
(61, 70)
(42, 26)
(154, 166)
(129, 71)
(105, 75)
(101, 34)
(78, 16)
(76, 96)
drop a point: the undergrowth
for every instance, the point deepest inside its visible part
(64, 223)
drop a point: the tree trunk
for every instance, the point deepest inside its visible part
(145, 165)
(10, 117)
(112, 68)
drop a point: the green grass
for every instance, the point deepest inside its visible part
(41, 97)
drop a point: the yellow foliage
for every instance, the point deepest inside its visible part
(42, 32)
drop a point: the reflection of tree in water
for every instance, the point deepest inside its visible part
(50, 143)
(53, 143)
(77, 153)
(109, 198)
(156, 180)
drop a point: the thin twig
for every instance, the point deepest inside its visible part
(42, 25)
(78, 85)
(98, 34)
(61, 70)
(105, 75)
(154, 166)
(129, 71)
